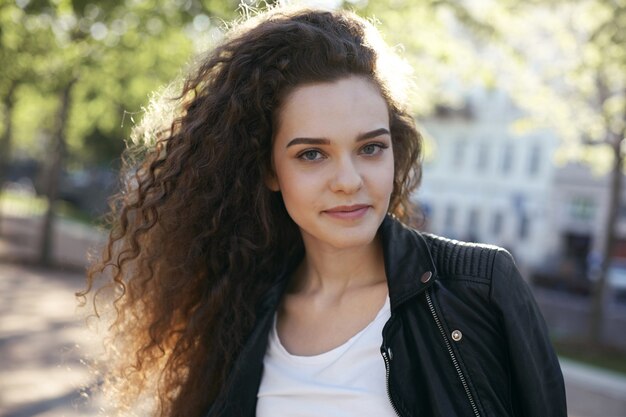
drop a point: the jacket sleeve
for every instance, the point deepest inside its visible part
(537, 386)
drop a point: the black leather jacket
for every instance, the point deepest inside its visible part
(465, 337)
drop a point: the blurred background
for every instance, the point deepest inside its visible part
(522, 104)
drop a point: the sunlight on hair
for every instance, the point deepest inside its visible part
(395, 71)
(326, 4)
(163, 107)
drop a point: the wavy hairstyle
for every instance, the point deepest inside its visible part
(196, 236)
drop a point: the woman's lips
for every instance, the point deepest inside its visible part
(348, 212)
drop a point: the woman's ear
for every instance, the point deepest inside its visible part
(270, 179)
(271, 182)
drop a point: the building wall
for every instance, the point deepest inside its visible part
(580, 206)
(484, 183)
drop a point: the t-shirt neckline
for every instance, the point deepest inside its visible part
(331, 354)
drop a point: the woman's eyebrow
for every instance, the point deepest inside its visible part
(372, 134)
(323, 141)
(308, 141)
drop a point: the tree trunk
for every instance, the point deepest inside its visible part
(596, 323)
(5, 139)
(53, 176)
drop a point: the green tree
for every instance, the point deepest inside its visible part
(19, 46)
(427, 31)
(93, 64)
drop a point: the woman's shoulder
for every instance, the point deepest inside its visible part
(467, 260)
(448, 259)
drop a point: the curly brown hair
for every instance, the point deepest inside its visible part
(196, 236)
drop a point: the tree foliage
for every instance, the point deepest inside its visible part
(118, 51)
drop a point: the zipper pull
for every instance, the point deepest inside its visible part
(386, 352)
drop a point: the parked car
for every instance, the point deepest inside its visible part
(616, 279)
(564, 275)
(88, 190)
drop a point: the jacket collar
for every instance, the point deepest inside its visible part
(408, 262)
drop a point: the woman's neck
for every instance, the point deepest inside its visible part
(333, 272)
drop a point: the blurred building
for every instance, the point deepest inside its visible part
(578, 217)
(484, 183)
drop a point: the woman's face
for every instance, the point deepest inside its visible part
(333, 161)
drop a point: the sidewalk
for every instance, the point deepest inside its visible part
(43, 342)
(20, 241)
(43, 338)
(592, 392)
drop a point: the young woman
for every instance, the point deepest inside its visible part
(261, 266)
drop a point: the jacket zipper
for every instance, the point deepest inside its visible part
(383, 351)
(452, 356)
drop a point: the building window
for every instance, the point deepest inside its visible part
(483, 157)
(507, 159)
(496, 225)
(582, 208)
(473, 225)
(450, 219)
(535, 160)
(458, 156)
(524, 226)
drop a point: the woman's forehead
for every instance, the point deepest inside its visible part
(347, 104)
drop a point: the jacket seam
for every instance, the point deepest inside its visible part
(446, 251)
(491, 304)
(493, 267)
(463, 279)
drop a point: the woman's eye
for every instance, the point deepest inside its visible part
(372, 148)
(310, 155)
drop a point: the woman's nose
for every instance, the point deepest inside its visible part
(346, 178)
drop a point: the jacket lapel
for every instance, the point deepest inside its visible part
(408, 262)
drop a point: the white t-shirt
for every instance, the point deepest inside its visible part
(348, 380)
